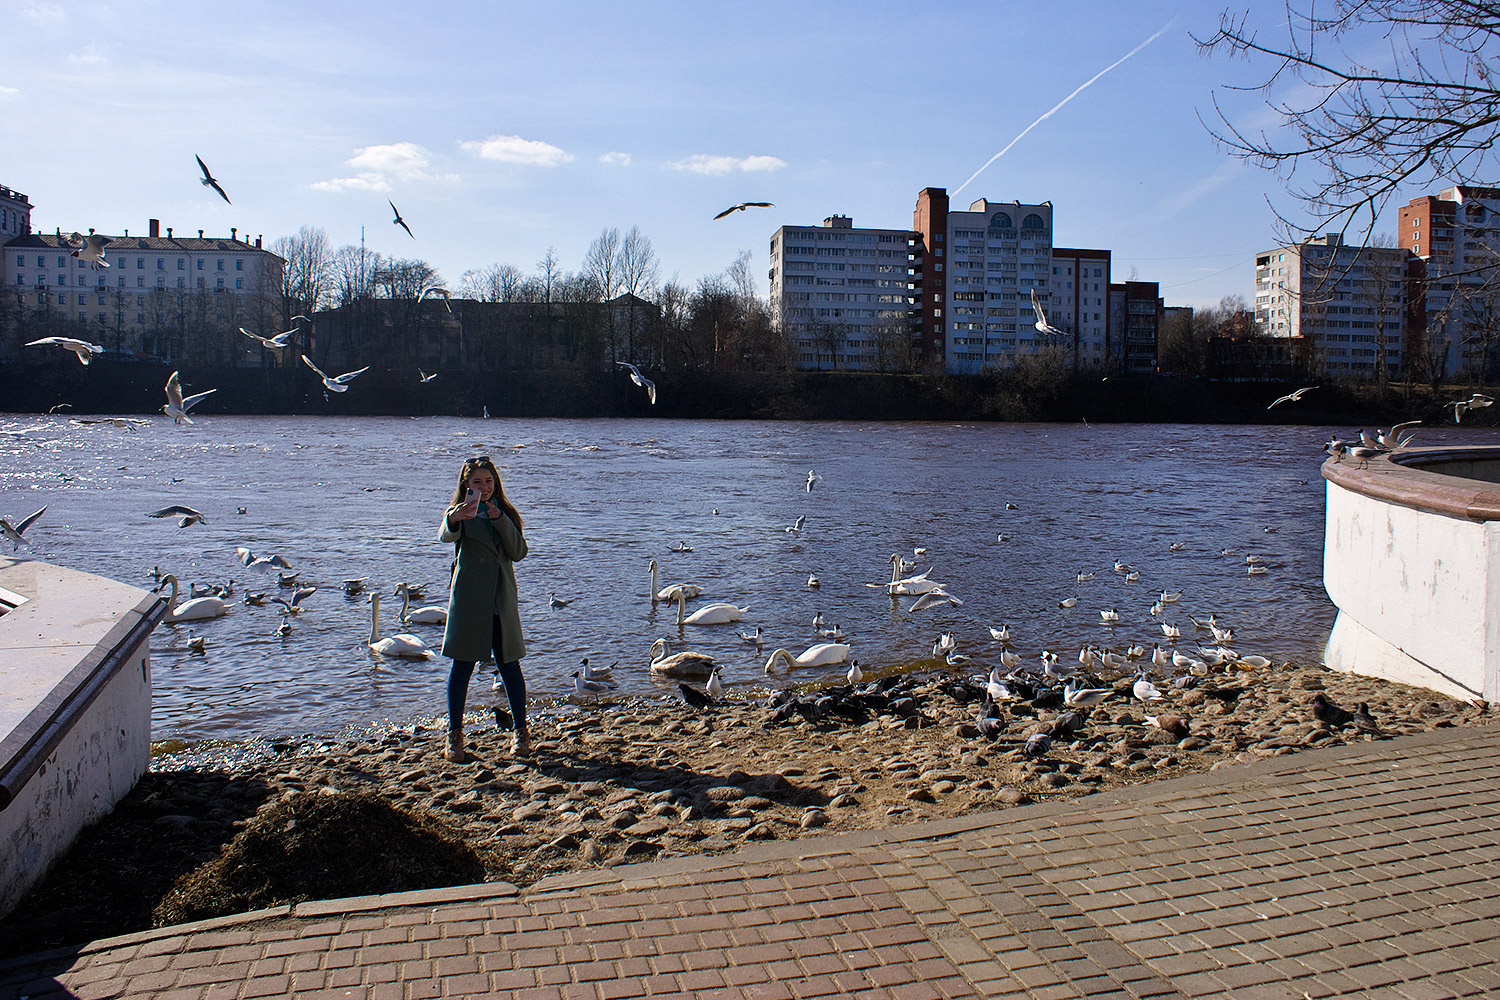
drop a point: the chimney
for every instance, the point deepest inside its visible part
(257, 242)
(127, 232)
(155, 228)
(231, 233)
(169, 232)
(200, 234)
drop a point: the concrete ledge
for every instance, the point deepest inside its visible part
(1411, 479)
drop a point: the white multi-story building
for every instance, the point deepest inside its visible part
(840, 295)
(1457, 235)
(15, 214)
(1343, 307)
(978, 271)
(1080, 304)
(154, 291)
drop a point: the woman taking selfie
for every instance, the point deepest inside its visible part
(483, 617)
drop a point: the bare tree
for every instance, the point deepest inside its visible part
(496, 283)
(1352, 134)
(636, 264)
(305, 278)
(548, 274)
(353, 274)
(601, 265)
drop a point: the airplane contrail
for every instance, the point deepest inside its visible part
(1056, 107)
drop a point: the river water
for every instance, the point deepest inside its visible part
(362, 497)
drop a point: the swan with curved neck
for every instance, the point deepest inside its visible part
(405, 644)
(693, 666)
(433, 614)
(822, 655)
(671, 593)
(196, 609)
(710, 614)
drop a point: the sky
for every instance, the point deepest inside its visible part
(501, 129)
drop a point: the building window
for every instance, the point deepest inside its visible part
(20, 260)
(140, 263)
(62, 300)
(161, 263)
(181, 264)
(200, 282)
(62, 262)
(239, 282)
(239, 265)
(218, 282)
(82, 300)
(200, 263)
(140, 282)
(221, 264)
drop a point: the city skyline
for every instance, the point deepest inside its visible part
(500, 133)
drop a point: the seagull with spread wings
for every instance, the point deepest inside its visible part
(82, 348)
(1042, 326)
(14, 532)
(208, 179)
(426, 377)
(437, 290)
(178, 405)
(187, 514)
(398, 221)
(89, 248)
(336, 384)
(1293, 397)
(274, 343)
(640, 380)
(742, 206)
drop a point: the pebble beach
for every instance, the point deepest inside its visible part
(622, 781)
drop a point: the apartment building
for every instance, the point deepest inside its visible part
(1456, 233)
(978, 270)
(1137, 315)
(15, 214)
(1343, 307)
(1081, 305)
(155, 291)
(842, 296)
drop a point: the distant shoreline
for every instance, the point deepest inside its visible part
(1018, 396)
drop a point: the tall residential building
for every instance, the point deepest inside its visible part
(1081, 305)
(841, 295)
(1457, 235)
(1137, 312)
(1344, 308)
(978, 270)
(15, 214)
(155, 291)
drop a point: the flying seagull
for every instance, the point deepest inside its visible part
(274, 343)
(339, 384)
(89, 248)
(742, 206)
(398, 221)
(426, 377)
(641, 380)
(188, 515)
(14, 532)
(208, 179)
(82, 348)
(435, 290)
(177, 406)
(1293, 397)
(1042, 326)
(1461, 406)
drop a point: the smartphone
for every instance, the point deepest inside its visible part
(472, 496)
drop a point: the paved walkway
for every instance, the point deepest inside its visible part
(1370, 871)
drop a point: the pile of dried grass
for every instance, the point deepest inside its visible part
(322, 846)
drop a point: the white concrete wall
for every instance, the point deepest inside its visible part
(1418, 595)
(97, 763)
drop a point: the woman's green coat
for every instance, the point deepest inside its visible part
(482, 569)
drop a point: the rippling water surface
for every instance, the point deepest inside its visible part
(346, 498)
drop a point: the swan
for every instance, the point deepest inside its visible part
(433, 614)
(685, 664)
(709, 614)
(405, 644)
(671, 593)
(821, 655)
(196, 609)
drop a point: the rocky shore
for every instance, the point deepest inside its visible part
(620, 782)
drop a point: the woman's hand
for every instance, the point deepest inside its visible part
(463, 512)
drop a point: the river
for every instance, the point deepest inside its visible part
(361, 497)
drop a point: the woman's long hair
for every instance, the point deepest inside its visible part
(473, 465)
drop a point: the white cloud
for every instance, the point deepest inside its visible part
(623, 159)
(7, 92)
(43, 13)
(88, 57)
(703, 163)
(379, 165)
(514, 149)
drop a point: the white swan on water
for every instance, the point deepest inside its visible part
(822, 655)
(404, 644)
(688, 590)
(710, 614)
(685, 664)
(433, 614)
(191, 611)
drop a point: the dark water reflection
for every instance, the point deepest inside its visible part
(358, 497)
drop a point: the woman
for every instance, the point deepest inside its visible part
(483, 616)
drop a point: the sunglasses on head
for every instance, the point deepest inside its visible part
(479, 460)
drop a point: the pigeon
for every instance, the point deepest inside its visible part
(1037, 746)
(1329, 713)
(1173, 725)
(1365, 722)
(208, 179)
(398, 221)
(188, 515)
(694, 697)
(742, 206)
(14, 532)
(640, 380)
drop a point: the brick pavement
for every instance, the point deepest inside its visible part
(1368, 871)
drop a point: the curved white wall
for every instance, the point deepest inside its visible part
(1418, 595)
